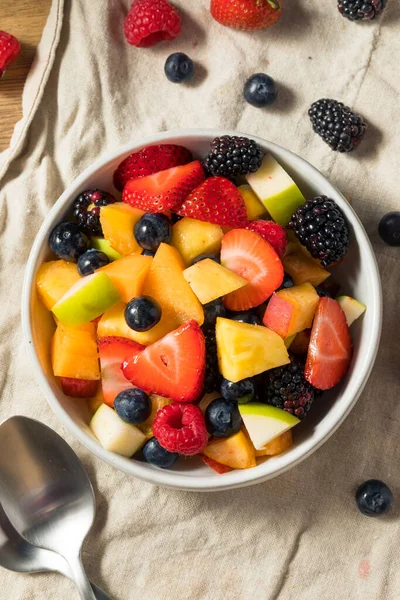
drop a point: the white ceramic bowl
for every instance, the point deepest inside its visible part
(358, 275)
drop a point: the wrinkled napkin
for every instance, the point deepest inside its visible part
(299, 535)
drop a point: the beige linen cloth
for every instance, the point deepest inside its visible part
(297, 537)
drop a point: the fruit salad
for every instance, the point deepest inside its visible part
(195, 312)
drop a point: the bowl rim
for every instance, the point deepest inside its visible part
(174, 479)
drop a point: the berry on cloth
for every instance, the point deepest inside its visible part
(150, 160)
(288, 389)
(86, 210)
(272, 233)
(260, 90)
(216, 200)
(9, 50)
(246, 14)
(181, 428)
(321, 227)
(231, 155)
(374, 498)
(389, 228)
(341, 128)
(150, 22)
(361, 10)
(179, 67)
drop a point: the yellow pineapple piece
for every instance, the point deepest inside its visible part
(118, 222)
(210, 280)
(157, 403)
(192, 238)
(278, 445)
(235, 451)
(254, 207)
(304, 269)
(246, 350)
(54, 279)
(74, 353)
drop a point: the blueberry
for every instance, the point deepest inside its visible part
(90, 261)
(242, 391)
(374, 498)
(212, 310)
(260, 90)
(142, 313)
(222, 418)
(287, 282)
(151, 230)
(214, 257)
(68, 242)
(389, 228)
(245, 317)
(179, 67)
(156, 455)
(133, 406)
(148, 253)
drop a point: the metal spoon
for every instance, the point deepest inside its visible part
(16, 554)
(45, 492)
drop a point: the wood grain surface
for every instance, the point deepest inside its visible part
(25, 19)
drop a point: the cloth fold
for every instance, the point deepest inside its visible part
(297, 536)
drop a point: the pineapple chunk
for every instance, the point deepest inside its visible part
(114, 434)
(192, 238)
(210, 280)
(118, 222)
(304, 269)
(255, 209)
(246, 350)
(236, 451)
(54, 279)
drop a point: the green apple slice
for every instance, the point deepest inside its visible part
(353, 309)
(265, 423)
(104, 246)
(88, 298)
(114, 434)
(276, 190)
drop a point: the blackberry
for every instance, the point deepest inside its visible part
(337, 124)
(287, 389)
(212, 380)
(86, 210)
(321, 227)
(231, 155)
(361, 10)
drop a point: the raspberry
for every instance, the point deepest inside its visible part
(271, 232)
(151, 21)
(181, 428)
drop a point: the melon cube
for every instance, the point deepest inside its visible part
(192, 238)
(304, 269)
(128, 275)
(54, 279)
(236, 451)
(291, 310)
(118, 222)
(210, 280)
(74, 353)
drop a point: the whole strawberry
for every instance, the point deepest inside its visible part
(246, 14)
(151, 21)
(9, 50)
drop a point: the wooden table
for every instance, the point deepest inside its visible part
(25, 19)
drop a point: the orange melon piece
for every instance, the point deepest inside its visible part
(210, 280)
(54, 279)
(278, 445)
(192, 238)
(291, 310)
(303, 269)
(74, 353)
(128, 274)
(118, 221)
(236, 451)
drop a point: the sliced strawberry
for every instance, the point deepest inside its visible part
(216, 466)
(113, 351)
(79, 388)
(165, 189)
(330, 349)
(217, 200)
(150, 160)
(173, 367)
(247, 254)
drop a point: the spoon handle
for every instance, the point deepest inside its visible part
(80, 578)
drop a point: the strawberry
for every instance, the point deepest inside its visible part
(151, 21)
(173, 367)
(330, 349)
(247, 254)
(246, 14)
(150, 160)
(9, 50)
(165, 189)
(271, 232)
(216, 466)
(217, 200)
(79, 388)
(113, 351)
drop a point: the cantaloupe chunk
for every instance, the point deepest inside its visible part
(192, 238)
(74, 353)
(278, 445)
(128, 275)
(291, 310)
(303, 269)
(235, 451)
(210, 280)
(118, 222)
(54, 279)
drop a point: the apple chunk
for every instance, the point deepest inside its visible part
(114, 434)
(352, 308)
(89, 298)
(265, 423)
